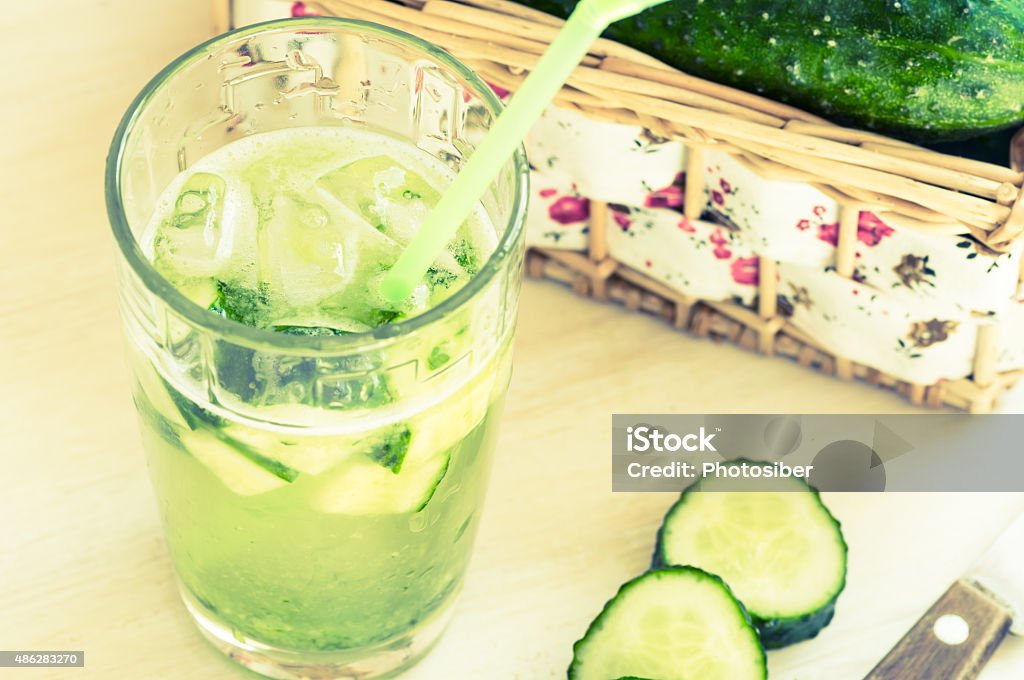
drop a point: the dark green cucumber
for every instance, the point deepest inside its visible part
(680, 623)
(924, 70)
(780, 550)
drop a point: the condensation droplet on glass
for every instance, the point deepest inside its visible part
(418, 522)
(297, 391)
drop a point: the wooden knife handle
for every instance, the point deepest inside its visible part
(952, 641)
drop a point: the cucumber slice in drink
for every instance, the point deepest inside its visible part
(192, 423)
(365, 487)
(157, 394)
(238, 472)
(309, 454)
(781, 551)
(399, 470)
(391, 449)
(679, 623)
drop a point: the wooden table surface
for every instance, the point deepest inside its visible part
(82, 563)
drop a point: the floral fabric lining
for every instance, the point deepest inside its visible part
(911, 310)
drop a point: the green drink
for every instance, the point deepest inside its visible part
(319, 454)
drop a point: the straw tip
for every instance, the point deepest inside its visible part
(394, 289)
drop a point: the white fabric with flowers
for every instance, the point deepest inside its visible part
(914, 304)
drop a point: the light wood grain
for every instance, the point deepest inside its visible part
(82, 563)
(923, 655)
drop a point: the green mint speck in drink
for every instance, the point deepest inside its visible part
(343, 536)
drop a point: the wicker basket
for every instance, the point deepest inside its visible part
(911, 188)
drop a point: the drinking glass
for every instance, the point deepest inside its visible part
(297, 551)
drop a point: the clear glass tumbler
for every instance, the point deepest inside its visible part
(296, 553)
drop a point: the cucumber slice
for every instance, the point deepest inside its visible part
(679, 623)
(364, 487)
(390, 450)
(157, 393)
(781, 551)
(238, 472)
(399, 470)
(175, 413)
(310, 454)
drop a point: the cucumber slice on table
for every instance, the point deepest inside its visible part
(781, 552)
(679, 623)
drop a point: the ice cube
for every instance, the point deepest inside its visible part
(192, 240)
(302, 253)
(397, 200)
(383, 192)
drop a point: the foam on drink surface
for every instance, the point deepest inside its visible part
(293, 230)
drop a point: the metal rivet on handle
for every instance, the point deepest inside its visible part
(952, 629)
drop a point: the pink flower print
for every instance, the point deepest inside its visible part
(803, 225)
(667, 197)
(720, 240)
(547, 193)
(685, 225)
(499, 90)
(745, 270)
(299, 9)
(621, 219)
(870, 229)
(829, 233)
(717, 197)
(819, 210)
(718, 237)
(569, 209)
(726, 187)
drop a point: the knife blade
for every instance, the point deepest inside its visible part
(959, 633)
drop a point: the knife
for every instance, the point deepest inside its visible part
(958, 634)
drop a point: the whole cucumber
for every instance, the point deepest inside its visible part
(923, 70)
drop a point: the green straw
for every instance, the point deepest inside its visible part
(582, 28)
